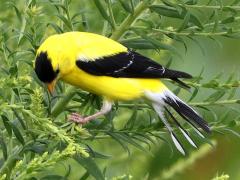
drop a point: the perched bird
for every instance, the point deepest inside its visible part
(105, 67)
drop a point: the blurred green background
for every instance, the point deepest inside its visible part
(160, 163)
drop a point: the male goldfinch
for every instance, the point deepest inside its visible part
(105, 67)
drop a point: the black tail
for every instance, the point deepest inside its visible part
(175, 75)
(187, 112)
(162, 100)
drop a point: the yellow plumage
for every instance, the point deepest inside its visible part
(104, 67)
(65, 49)
(113, 88)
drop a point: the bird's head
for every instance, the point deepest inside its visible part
(53, 60)
(56, 58)
(46, 71)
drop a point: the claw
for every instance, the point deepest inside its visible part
(77, 118)
(82, 120)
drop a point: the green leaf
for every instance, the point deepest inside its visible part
(232, 93)
(7, 124)
(55, 27)
(157, 43)
(192, 2)
(85, 176)
(61, 6)
(194, 94)
(76, 15)
(165, 11)
(18, 13)
(100, 155)
(216, 23)
(178, 39)
(85, 22)
(18, 134)
(130, 123)
(21, 33)
(90, 165)
(19, 118)
(115, 137)
(169, 62)
(4, 148)
(103, 11)
(215, 96)
(67, 23)
(229, 9)
(185, 22)
(230, 78)
(144, 140)
(138, 44)
(132, 5)
(177, 90)
(233, 35)
(127, 139)
(127, 7)
(53, 177)
(36, 147)
(228, 20)
(196, 21)
(96, 154)
(168, 3)
(224, 117)
(13, 70)
(235, 2)
(174, 13)
(237, 134)
(148, 24)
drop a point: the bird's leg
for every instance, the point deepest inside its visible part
(106, 107)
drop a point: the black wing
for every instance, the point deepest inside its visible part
(130, 64)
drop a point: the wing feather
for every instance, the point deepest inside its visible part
(129, 64)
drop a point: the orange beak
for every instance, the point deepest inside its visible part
(51, 86)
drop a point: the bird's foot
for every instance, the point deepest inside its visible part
(75, 117)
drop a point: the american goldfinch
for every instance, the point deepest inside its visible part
(104, 67)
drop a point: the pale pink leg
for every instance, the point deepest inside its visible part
(107, 106)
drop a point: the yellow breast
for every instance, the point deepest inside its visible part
(113, 88)
(65, 49)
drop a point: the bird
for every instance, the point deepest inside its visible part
(105, 67)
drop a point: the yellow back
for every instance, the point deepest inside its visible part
(65, 49)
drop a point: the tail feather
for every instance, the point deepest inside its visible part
(179, 106)
(177, 143)
(167, 98)
(175, 75)
(159, 109)
(191, 124)
(184, 132)
(169, 73)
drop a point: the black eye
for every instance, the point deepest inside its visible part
(57, 71)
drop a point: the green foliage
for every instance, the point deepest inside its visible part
(221, 177)
(26, 170)
(180, 165)
(35, 133)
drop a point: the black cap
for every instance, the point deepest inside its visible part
(44, 68)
